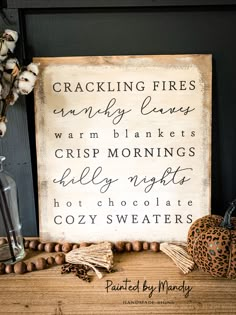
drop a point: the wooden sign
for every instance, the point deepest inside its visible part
(123, 146)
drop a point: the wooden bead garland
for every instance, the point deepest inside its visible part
(40, 263)
(30, 267)
(20, 267)
(66, 247)
(34, 244)
(8, 268)
(58, 248)
(50, 260)
(49, 247)
(41, 247)
(128, 247)
(137, 246)
(59, 259)
(145, 246)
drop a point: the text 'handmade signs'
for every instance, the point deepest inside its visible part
(123, 146)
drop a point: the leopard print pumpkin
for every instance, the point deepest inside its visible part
(212, 244)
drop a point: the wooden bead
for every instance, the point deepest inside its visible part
(49, 247)
(40, 263)
(137, 246)
(41, 247)
(75, 246)
(2, 268)
(58, 248)
(50, 260)
(3, 241)
(145, 246)
(128, 247)
(66, 247)
(31, 267)
(84, 244)
(119, 246)
(26, 244)
(155, 246)
(34, 244)
(9, 269)
(20, 267)
(60, 259)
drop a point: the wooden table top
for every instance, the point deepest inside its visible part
(143, 283)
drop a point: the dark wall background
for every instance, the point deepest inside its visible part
(135, 29)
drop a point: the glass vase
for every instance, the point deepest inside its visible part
(11, 240)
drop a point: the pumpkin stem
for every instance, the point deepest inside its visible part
(226, 223)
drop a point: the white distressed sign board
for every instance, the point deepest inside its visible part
(123, 146)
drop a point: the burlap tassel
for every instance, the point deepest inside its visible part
(178, 253)
(98, 255)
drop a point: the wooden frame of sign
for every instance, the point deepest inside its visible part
(123, 146)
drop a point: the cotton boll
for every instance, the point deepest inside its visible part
(27, 76)
(24, 87)
(3, 49)
(7, 43)
(34, 68)
(10, 35)
(11, 69)
(3, 128)
(10, 38)
(25, 82)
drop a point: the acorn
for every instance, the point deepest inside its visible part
(31, 267)
(20, 267)
(155, 246)
(49, 247)
(40, 263)
(2, 268)
(60, 259)
(137, 246)
(66, 247)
